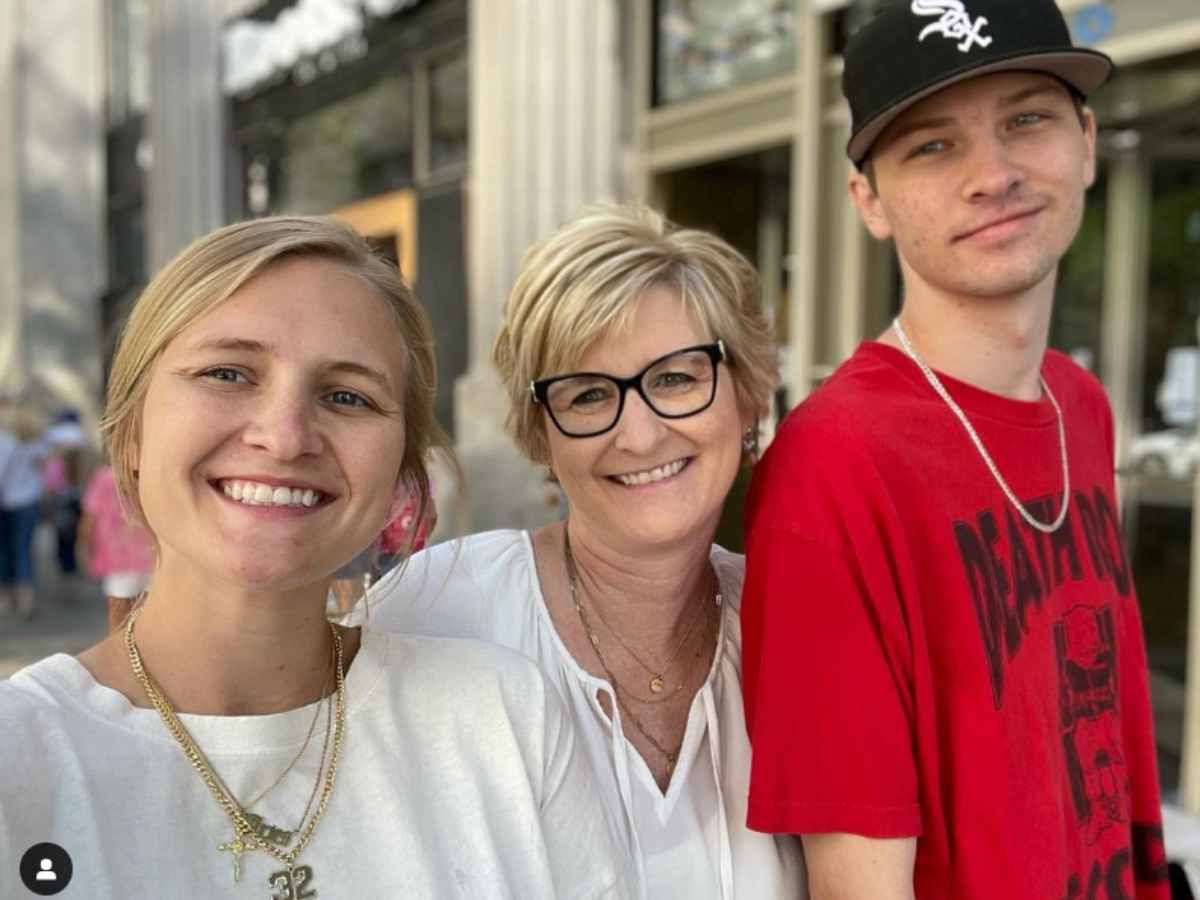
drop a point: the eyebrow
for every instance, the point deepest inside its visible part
(1022, 96)
(244, 345)
(903, 131)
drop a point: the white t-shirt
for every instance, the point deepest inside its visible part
(691, 842)
(460, 778)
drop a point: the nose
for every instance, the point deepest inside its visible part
(640, 428)
(284, 424)
(993, 174)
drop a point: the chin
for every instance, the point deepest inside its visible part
(662, 531)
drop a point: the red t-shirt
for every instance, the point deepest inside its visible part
(918, 661)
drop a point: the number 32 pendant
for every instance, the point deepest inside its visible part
(292, 884)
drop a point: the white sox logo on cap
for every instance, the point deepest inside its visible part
(954, 23)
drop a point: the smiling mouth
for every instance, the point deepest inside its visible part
(652, 476)
(255, 493)
(998, 223)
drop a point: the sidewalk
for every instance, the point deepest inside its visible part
(71, 616)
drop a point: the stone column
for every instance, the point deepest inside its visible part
(59, 142)
(545, 92)
(10, 203)
(186, 125)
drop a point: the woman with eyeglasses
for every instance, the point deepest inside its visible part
(638, 361)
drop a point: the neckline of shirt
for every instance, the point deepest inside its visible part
(216, 735)
(974, 400)
(592, 683)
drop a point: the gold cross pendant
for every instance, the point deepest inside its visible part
(236, 847)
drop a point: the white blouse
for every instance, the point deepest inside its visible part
(691, 841)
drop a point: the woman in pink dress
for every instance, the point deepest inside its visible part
(117, 549)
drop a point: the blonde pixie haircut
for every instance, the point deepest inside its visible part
(205, 275)
(582, 285)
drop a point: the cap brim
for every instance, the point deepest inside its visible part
(1085, 70)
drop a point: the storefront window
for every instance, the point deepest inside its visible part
(359, 147)
(710, 45)
(448, 113)
(1164, 457)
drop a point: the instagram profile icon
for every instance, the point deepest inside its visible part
(46, 869)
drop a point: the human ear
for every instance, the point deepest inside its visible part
(1089, 137)
(869, 206)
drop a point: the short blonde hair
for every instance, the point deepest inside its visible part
(207, 273)
(583, 283)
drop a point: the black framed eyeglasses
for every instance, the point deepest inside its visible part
(675, 386)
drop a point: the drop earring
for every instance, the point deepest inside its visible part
(750, 444)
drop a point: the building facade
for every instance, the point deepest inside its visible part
(51, 201)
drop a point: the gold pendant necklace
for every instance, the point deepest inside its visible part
(670, 756)
(281, 837)
(294, 883)
(658, 674)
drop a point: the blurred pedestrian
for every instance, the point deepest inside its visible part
(20, 509)
(62, 481)
(117, 550)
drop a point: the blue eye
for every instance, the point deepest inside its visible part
(594, 395)
(1028, 118)
(929, 148)
(226, 374)
(673, 379)
(349, 398)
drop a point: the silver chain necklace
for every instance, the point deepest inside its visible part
(936, 384)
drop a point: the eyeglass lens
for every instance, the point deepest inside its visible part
(679, 385)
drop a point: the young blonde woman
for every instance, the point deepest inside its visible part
(638, 361)
(271, 399)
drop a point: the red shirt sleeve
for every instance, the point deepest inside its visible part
(828, 699)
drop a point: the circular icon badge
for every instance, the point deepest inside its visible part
(46, 869)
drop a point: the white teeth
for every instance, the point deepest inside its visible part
(254, 494)
(650, 476)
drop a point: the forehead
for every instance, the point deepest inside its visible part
(305, 304)
(659, 322)
(305, 298)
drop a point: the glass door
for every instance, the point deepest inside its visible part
(1163, 453)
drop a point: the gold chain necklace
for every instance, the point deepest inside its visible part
(245, 836)
(283, 836)
(671, 756)
(658, 677)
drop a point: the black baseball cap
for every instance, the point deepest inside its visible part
(914, 48)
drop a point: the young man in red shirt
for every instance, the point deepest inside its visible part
(945, 674)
